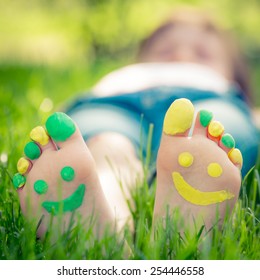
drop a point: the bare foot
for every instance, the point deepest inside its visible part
(198, 174)
(57, 175)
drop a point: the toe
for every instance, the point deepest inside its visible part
(236, 157)
(227, 142)
(215, 130)
(178, 119)
(32, 150)
(24, 165)
(63, 130)
(40, 136)
(18, 181)
(202, 121)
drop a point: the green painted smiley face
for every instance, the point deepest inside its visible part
(68, 204)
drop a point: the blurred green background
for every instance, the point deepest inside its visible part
(66, 31)
(51, 51)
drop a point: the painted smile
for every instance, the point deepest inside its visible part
(68, 204)
(195, 196)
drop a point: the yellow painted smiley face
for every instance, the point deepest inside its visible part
(196, 196)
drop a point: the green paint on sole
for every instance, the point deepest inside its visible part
(228, 141)
(67, 173)
(205, 118)
(18, 180)
(32, 150)
(40, 186)
(60, 126)
(68, 204)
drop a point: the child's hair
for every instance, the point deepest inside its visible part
(201, 19)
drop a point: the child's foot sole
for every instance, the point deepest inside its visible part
(198, 174)
(57, 177)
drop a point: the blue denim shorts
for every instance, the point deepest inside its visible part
(139, 116)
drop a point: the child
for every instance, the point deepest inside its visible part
(185, 60)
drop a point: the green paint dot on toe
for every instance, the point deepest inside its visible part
(67, 173)
(205, 118)
(32, 150)
(60, 126)
(18, 181)
(228, 141)
(40, 186)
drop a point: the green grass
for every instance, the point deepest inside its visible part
(238, 239)
(71, 37)
(22, 91)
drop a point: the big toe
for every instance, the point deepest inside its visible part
(63, 130)
(178, 118)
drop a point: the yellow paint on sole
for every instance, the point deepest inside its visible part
(179, 117)
(214, 170)
(185, 159)
(197, 197)
(39, 134)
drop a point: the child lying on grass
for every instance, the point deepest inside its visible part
(188, 71)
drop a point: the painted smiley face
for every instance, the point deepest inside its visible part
(68, 204)
(194, 195)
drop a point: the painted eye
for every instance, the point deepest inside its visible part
(185, 159)
(214, 170)
(67, 173)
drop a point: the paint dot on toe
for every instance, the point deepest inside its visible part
(40, 186)
(18, 181)
(67, 173)
(228, 141)
(215, 128)
(185, 159)
(60, 126)
(32, 150)
(214, 170)
(39, 135)
(236, 156)
(23, 165)
(205, 117)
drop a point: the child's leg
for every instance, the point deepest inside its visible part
(198, 174)
(58, 175)
(119, 171)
